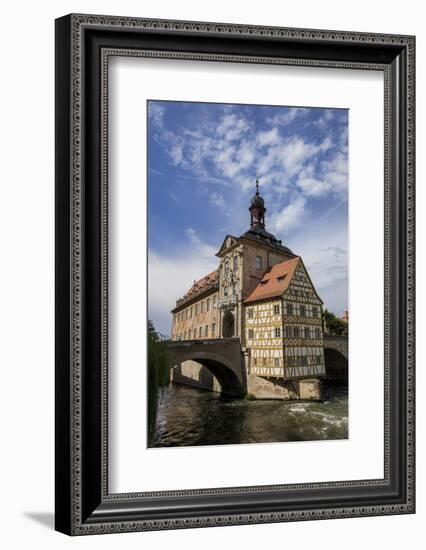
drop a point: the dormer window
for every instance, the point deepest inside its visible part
(281, 278)
(264, 283)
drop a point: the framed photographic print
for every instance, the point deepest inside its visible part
(234, 274)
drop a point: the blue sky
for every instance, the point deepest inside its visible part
(203, 159)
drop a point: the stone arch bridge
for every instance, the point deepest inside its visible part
(336, 357)
(222, 358)
(223, 362)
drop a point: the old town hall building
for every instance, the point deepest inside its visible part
(262, 294)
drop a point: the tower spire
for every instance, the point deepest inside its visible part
(257, 209)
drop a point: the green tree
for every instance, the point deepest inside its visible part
(158, 374)
(333, 324)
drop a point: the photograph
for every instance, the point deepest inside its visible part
(229, 198)
(248, 313)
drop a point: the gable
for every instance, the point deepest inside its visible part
(228, 242)
(301, 283)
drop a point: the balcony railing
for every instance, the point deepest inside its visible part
(228, 302)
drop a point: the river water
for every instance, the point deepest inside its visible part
(188, 416)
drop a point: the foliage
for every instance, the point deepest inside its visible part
(333, 325)
(158, 373)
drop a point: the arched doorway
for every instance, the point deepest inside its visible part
(228, 325)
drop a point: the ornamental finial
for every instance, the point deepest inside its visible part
(257, 185)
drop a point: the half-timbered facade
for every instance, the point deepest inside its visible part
(283, 324)
(262, 294)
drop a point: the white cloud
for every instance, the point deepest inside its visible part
(217, 199)
(290, 217)
(336, 173)
(312, 187)
(232, 152)
(284, 117)
(171, 275)
(327, 115)
(245, 155)
(291, 155)
(174, 197)
(269, 137)
(323, 248)
(156, 112)
(231, 127)
(176, 154)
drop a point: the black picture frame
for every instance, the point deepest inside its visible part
(83, 504)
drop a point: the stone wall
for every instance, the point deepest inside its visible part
(191, 373)
(273, 388)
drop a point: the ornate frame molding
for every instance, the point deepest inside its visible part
(85, 508)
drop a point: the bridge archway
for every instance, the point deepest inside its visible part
(223, 359)
(336, 365)
(336, 357)
(228, 325)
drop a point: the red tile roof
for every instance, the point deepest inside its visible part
(274, 282)
(200, 287)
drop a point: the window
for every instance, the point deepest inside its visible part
(196, 309)
(264, 361)
(254, 360)
(302, 310)
(235, 266)
(281, 278)
(289, 309)
(213, 329)
(201, 307)
(317, 333)
(200, 332)
(264, 283)
(276, 310)
(288, 332)
(184, 335)
(277, 332)
(276, 361)
(214, 300)
(189, 334)
(307, 332)
(296, 332)
(303, 360)
(314, 312)
(251, 334)
(206, 331)
(250, 313)
(258, 263)
(190, 313)
(208, 304)
(225, 291)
